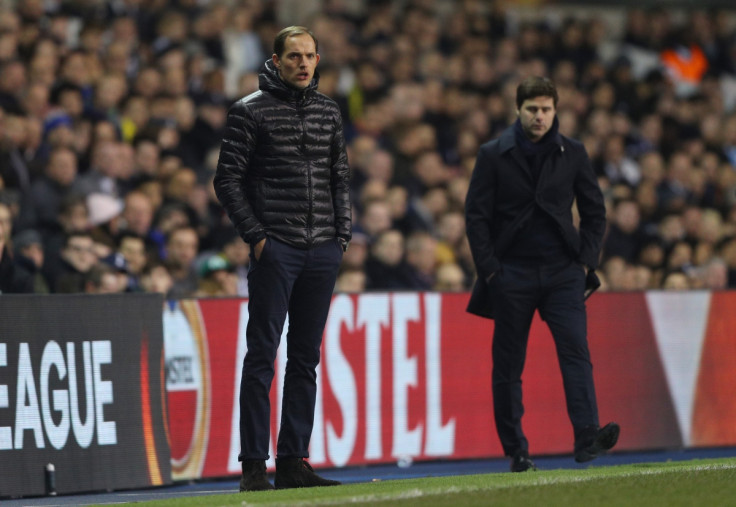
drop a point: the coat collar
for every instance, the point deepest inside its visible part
(507, 140)
(507, 144)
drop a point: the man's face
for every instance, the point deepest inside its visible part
(537, 115)
(297, 63)
(134, 252)
(182, 247)
(63, 167)
(138, 213)
(80, 253)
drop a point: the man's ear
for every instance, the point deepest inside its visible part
(276, 60)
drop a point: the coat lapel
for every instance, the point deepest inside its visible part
(507, 146)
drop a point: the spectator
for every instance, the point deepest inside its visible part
(617, 166)
(614, 270)
(103, 175)
(673, 192)
(384, 267)
(376, 218)
(119, 265)
(29, 259)
(680, 256)
(102, 279)
(182, 245)
(450, 278)
(355, 257)
(713, 275)
(421, 260)
(12, 279)
(216, 278)
(237, 253)
(77, 258)
(652, 255)
(156, 278)
(351, 280)
(168, 218)
(14, 170)
(132, 247)
(676, 280)
(138, 212)
(624, 237)
(451, 236)
(49, 190)
(104, 219)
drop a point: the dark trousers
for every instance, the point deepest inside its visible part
(300, 282)
(557, 292)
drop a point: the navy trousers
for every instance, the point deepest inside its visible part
(300, 282)
(557, 292)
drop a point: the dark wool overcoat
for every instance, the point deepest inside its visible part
(502, 198)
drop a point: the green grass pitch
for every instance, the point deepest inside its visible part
(709, 482)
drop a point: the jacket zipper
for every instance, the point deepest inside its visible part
(310, 196)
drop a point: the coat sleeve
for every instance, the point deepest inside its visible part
(340, 182)
(592, 212)
(479, 211)
(236, 153)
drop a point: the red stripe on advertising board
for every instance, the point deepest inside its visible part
(627, 367)
(221, 320)
(714, 409)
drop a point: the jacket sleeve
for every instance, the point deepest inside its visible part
(340, 182)
(592, 212)
(236, 153)
(479, 207)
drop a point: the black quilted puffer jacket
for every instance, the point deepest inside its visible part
(283, 170)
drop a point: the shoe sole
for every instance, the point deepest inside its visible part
(606, 439)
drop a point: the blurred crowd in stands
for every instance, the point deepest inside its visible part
(111, 115)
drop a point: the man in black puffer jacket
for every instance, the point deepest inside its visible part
(283, 178)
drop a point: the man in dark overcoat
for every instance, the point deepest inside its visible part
(530, 256)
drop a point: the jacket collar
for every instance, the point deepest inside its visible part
(507, 139)
(270, 81)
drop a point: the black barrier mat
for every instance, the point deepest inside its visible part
(81, 405)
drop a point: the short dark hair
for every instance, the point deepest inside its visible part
(536, 87)
(290, 31)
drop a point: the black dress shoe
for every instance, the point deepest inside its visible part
(521, 462)
(593, 442)
(297, 473)
(254, 476)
